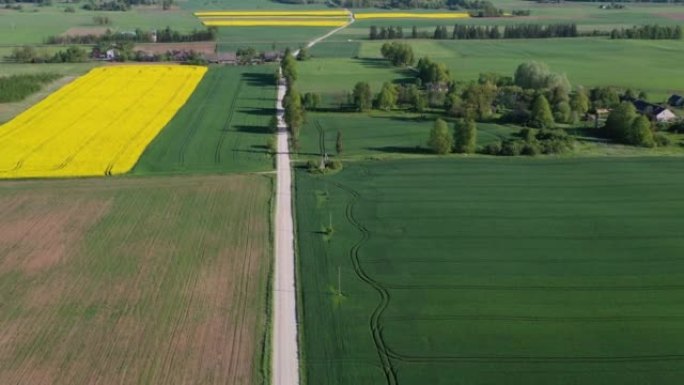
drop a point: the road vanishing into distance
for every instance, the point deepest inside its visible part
(285, 350)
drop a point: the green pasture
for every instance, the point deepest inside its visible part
(334, 77)
(223, 127)
(267, 38)
(588, 16)
(652, 66)
(221, 5)
(379, 135)
(493, 271)
(34, 24)
(647, 65)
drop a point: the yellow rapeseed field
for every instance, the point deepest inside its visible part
(239, 22)
(271, 13)
(410, 15)
(274, 18)
(97, 125)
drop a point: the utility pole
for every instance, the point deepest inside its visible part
(339, 281)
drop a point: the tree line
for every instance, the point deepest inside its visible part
(17, 87)
(534, 97)
(166, 35)
(122, 5)
(28, 54)
(479, 32)
(652, 32)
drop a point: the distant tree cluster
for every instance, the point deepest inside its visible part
(652, 32)
(399, 54)
(293, 102)
(625, 125)
(122, 5)
(480, 32)
(384, 33)
(463, 140)
(28, 54)
(289, 67)
(477, 8)
(538, 31)
(532, 142)
(109, 5)
(432, 73)
(166, 35)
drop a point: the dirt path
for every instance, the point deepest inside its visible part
(285, 355)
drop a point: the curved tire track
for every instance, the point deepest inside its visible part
(375, 325)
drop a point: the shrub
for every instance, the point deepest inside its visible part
(334, 165)
(493, 148)
(662, 140)
(512, 147)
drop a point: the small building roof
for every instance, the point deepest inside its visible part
(676, 100)
(222, 57)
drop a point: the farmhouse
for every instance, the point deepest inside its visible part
(654, 111)
(272, 56)
(676, 101)
(222, 58)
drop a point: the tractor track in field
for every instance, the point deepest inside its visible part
(384, 353)
(387, 354)
(226, 127)
(197, 113)
(321, 137)
(92, 138)
(447, 359)
(243, 284)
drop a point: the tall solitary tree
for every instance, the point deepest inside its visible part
(289, 65)
(541, 113)
(362, 96)
(465, 136)
(440, 141)
(619, 121)
(294, 111)
(387, 98)
(579, 101)
(338, 143)
(640, 133)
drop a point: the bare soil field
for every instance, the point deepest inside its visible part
(673, 16)
(134, 281)
(85, 31)
(207, 47)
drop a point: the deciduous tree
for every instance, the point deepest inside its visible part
(441, 142)
(465, 136)
(541, 113)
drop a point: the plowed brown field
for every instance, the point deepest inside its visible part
(132, 281)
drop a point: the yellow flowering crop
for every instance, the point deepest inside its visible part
(274, 18)
(273, 23)
(97, 125)
(407, 15)
(271, 13)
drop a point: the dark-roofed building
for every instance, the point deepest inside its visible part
(654, 111)
(272, 56)
(222, 58)
(676, 100)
